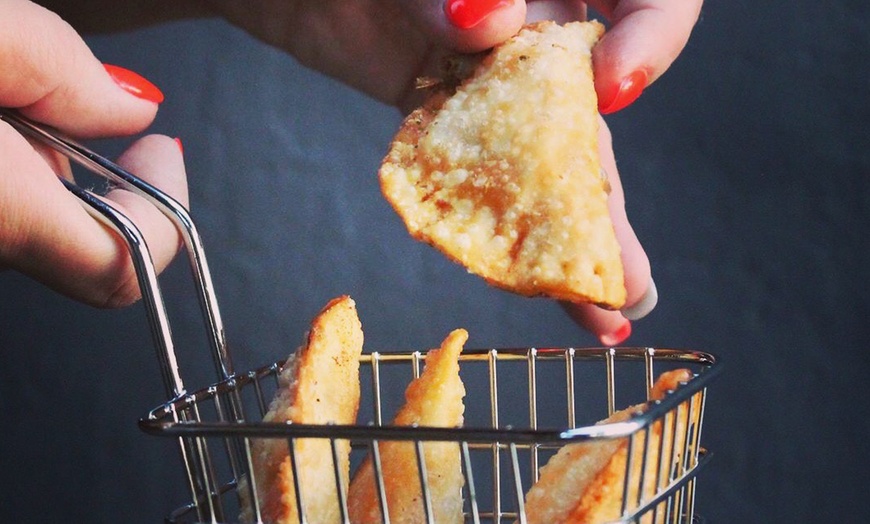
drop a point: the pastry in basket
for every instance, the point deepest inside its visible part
(433, 399)
(502, 173)
(319, 384)
(584, 482)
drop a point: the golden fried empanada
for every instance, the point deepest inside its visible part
(434, 399)
(502, 174)
(319, 384)
(584, 482)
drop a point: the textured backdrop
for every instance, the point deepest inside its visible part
(747, 174)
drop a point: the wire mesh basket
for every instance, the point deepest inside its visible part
(510, 429)
(535, 402)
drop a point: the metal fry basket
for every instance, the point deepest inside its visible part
(523, 404)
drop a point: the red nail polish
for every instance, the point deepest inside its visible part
(180, 145)
(466, 14)
(617, 337)
(625, 93)
(134, 83)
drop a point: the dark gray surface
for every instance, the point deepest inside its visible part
(748, 180)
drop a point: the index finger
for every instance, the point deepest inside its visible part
(49, 73)
(644, 39)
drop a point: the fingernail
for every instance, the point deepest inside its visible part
(134, 83)
(180, 145)
(618, 336)
(643, 306)
(621, 96)
(466, 14)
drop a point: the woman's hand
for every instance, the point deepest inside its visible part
(49, 75)
(381, 46)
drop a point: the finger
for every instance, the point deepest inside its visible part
(469, 25)
(612, 327)
(58, 163)
(47, 233)
(644, 39)
(635, 262)
(50, 74)
(476, 25)
(156, 159)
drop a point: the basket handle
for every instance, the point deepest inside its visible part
(145, 272)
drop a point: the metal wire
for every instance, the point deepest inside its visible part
(170, 207)
(663, 486)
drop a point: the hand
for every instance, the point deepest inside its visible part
(382, 46)
(49, 74)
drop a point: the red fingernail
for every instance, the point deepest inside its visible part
(617, 337)
(624, 94)
(180, 145)
(466, 14)
(134, 83)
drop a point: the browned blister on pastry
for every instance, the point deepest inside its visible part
(502, 174)
(319, 384)
(434, 400)
(584, 483)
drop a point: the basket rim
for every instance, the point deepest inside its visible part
(164, 420)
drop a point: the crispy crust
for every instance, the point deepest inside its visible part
(319, 384)
(503, 175)
(433, 399)
(583, 483)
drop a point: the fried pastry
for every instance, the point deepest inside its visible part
(584, 482)
(434, 399)
(319, 384)
(502, 174)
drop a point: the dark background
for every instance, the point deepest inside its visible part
(747, 173)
